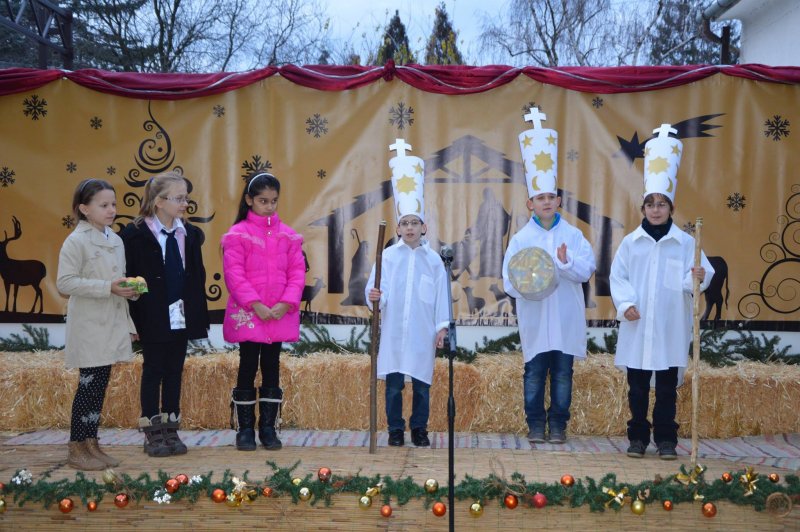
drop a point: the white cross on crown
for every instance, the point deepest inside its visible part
(664, 130)
(535, 117)
(400, 146)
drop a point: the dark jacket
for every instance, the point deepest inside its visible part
(150, 313)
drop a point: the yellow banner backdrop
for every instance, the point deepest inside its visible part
(330, 151)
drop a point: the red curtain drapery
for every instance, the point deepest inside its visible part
(437, 79)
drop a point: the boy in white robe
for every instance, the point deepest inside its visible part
(552, 330)
(651, 286)
(413, 304)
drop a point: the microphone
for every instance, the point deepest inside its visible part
(446, 252)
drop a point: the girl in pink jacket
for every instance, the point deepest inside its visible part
(265, 275)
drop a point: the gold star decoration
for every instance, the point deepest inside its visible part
(418, 168)
(551, 139)
(543, 162)
(658, 165)
(647, 152)
(675, 150)
(526, 142)
(406, 184)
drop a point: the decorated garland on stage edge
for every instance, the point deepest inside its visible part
(745, 487)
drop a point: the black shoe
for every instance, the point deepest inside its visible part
(637, 449)
(396, 438)
(419, 437)
(666, 450)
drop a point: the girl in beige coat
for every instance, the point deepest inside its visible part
(91, 269)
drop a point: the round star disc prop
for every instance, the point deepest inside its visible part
(532, 272)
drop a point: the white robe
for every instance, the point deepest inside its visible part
(414, 307)
(656, 277)
(557, 322)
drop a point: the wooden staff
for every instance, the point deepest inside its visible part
(696, 340)
(373, 347)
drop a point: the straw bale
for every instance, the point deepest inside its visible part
(330, 391)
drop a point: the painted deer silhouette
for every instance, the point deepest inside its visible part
(310, 292)
(18, 273)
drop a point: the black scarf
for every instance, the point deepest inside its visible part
(657, 231)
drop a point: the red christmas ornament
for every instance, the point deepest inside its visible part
(774, 477)
(539, 500)
(267, 491)
(386, 510)
(667, 505)
(726, 477)
(511, 501)
(567, 481)
(172, 485)
(2, 487)
(439, 509)
(183, 479)
(709, 509)
(66, 505)
(324, 474)
(121, 500)
(91, 506)
(218, 495)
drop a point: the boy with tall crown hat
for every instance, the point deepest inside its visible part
(413, 303)
(552, 327)
(651, 286)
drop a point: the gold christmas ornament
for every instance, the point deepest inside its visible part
(109, 476)
(617, 497)
(748, 481)
(2, 506)
(297, 481)
(532, 273)
(692, 477)
(364, 502)
(373, 492)
(233, 500)
(476, 509)
(251, 495)
(304, 493)
(637, 507)
(431, 485)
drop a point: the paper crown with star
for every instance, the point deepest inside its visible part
(539, 147)
(662, 157)
(408, 180)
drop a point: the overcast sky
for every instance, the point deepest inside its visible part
(349, 18)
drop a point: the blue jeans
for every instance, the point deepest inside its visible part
(420, 407)
(559, 366)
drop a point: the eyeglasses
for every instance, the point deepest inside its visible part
(177, 199)
(412, 223)
(659, 205)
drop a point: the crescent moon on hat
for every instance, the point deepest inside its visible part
(419, 207)
(534, 184)
(398, 210)
(669, 188)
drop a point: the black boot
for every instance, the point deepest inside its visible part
(244, 406)
(270, 405)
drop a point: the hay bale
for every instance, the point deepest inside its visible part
(330, 391)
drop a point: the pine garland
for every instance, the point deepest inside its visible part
(284, 483)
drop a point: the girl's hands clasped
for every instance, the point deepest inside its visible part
(127, 292)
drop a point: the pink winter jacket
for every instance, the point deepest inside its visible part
(263, 261)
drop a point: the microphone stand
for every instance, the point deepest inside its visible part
(450, 345)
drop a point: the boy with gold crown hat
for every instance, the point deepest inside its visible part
(651, 286)
(413, 303)
(552, 320)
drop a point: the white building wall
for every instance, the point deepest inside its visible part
(770, 31)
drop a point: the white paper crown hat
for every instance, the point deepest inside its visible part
(539, 149)
(662, 157)
(408, 180)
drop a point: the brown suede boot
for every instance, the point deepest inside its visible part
(94, 449)
(78, 457)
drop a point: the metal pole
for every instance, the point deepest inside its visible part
(451, 403)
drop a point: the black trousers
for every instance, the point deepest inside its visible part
(664, 426)
(88, 402)
(253, 354)
(162, 371)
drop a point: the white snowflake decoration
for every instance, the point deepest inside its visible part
(196, 479)
(161, 496)
(22, 477)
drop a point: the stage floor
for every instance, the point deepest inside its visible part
(477, 455)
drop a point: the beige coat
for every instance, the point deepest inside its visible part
(98, 322)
